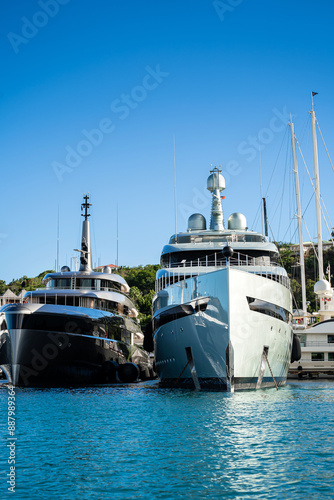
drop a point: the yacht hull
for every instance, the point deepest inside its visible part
(231, 333)
(35, 358)
(47, 357)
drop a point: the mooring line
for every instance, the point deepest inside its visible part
(178, 378)
(270, 370)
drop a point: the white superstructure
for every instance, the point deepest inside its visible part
(222, 309)
(317, 340)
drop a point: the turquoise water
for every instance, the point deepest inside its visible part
(142, 442)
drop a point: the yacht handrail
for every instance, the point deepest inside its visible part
(241, 260)
(312, 343)
(192, 268)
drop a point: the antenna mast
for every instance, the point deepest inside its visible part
(117, 235)
(262, 206)
(85, 206)
(86, 253)
(175, 211)
(265, 217)
(57, 265)
(216, 184)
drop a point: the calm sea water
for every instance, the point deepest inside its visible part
(142, 442)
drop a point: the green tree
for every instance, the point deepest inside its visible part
(141, 277)
(3, 287)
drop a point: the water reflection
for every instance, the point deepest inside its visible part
(140, 441)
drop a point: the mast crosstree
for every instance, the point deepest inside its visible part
(85, 206)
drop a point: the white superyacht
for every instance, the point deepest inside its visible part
(222, 309)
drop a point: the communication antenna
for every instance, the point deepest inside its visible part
(262, 206)
(175, 191)
(117, 235)
(265, 217)
(57, 262)
(75, 260)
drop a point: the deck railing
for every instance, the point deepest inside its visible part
(315, 343)
(178, 271)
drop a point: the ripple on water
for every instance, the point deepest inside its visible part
(139, 441)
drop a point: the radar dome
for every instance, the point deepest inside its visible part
(65, 269)
(237, 221)
(196, 222)
(107, 270)
(215, 181)
(322, 287)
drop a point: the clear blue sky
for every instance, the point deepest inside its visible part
(215, 75)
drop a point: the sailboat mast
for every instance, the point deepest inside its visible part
(299, 218)
(317, 193)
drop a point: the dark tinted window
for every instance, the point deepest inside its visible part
(318, 356)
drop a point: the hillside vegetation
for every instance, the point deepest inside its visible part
(141, 280)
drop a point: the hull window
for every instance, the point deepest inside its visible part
(173, 314)
(264, 307)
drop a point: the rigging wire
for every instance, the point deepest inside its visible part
(92, 224)
(313, 246)
(279, 203)
(329, 231)
(279, 152)
(256, 215)
(270, 180)
(322, 211)
(284, 181)
(330, 161)
(281, 262)
(306, 129)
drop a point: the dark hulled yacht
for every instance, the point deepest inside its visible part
(81, 329)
